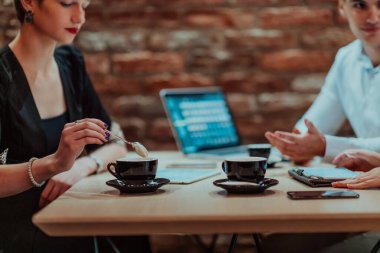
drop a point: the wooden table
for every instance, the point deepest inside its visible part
(93, 208)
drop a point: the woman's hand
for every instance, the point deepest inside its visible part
(75, 136)
(60, 183)
(299, 148)
(366, 180)
(356, 159)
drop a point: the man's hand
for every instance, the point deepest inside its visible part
(366, 180)
(356, 159)
(299, 148)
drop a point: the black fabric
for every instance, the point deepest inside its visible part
(21, 131)
(53, 128)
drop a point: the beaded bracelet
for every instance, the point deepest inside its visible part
(34, 182)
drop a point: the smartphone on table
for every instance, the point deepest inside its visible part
(329, 194)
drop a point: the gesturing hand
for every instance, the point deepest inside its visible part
(75, 136)
(300, 148)
(368, 179)
(356, 159)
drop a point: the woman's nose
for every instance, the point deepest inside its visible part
(78, 15)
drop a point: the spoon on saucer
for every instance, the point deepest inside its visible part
(137, 146)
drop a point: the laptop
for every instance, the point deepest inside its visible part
(201, 122)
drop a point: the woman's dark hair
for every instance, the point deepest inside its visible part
(20, 11)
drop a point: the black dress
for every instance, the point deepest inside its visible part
(22, 133)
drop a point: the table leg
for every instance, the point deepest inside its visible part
(257, 239)
(232, 243)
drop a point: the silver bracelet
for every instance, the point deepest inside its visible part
(99, 164)
(34, 182)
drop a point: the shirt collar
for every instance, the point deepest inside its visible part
(365, 60)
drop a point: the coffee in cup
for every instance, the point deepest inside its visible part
(259, 150)
(136, 168)
(245, 169)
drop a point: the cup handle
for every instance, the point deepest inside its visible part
(224, 166)
(109, 166)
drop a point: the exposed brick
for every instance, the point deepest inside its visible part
(208, 59)
(113, 41)
(134, 128)
(138, 105)
(157, 82)
(159, 130)
(252, 83)
(327, 38)
(166, 19)
(183, 39)
(115, 85)
(308, 83)
(259, 38)
(187, 2)
(284, 101)
(147, 62)
(266, 2)
(94, 19)
(297, 60)
(137, 17)
(220, 18)
(296, 16)
(242, 104)
(97, 63)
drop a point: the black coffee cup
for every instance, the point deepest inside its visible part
(245, 169)
(134, 168)
(259, 150)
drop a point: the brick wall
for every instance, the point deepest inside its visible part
(270, 57)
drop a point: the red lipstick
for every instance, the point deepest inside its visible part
(72, 30)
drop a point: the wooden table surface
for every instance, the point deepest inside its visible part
(93, 208)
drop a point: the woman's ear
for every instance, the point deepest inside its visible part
(27, 5)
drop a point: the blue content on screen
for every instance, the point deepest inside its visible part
(202, 121)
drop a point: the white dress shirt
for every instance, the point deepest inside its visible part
(351, 91)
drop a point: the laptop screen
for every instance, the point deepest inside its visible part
(200, 118)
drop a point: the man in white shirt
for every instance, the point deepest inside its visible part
(351, 91)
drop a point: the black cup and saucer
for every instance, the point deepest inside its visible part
(245, 176)
(135, 175)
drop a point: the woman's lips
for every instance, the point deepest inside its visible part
(72, 30)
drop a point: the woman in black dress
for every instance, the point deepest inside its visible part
(52, 124)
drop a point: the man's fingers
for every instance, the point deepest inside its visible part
(285, 135)
(285, 146)
(311, 128)
(296, 131)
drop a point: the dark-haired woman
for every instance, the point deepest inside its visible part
(52, 124)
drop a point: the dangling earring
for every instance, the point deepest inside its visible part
(29, 17)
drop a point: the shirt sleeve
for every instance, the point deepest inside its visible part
(336, 145)
(326, 112)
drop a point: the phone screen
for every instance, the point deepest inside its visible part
(330, 194)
